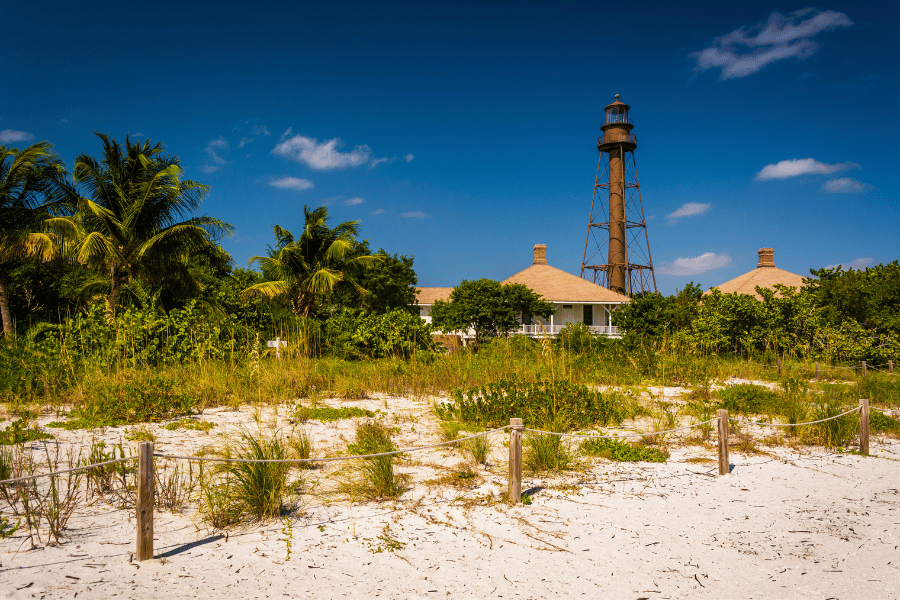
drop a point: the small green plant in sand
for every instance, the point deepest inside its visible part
(748, 399)
(234, 492)
(479, 448)
(621, 451)
(190, 424)
(881, 423)
(375, 478)
(301, 445)
(328, 413)
(21, 431)
(386, 541)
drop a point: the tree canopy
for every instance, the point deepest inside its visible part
(488, 307)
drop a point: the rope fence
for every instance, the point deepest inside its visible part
(144, 488)
(863, 367)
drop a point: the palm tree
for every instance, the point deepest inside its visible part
(32, 188)
(129, 223)
(307, 268)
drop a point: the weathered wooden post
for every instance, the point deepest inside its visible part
(864, 368)
(143, 505)
(863, 426)
(724, 463)
(779, 367)
(891, 367)
(515, 460)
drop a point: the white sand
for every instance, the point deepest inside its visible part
(788, 524)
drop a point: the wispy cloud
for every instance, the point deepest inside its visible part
(377, 161)
(695, 266)
(245, 140)
(292, 183)
(844, 185)
(749, 49)
(323, 156)
(859, 264)
(689, 209)
(801, 166)
(418, 214)
(11, 136)
(260, 130)
(209, 169)
(409, 157)
(213, 148)
(380, 211)
(353, 201)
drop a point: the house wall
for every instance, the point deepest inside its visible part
(575, 314)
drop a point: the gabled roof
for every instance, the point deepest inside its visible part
(429, 295)
(765, 275)
(555, 285)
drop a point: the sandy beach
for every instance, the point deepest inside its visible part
(786, 523)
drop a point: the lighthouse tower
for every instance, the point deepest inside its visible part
(617, 247)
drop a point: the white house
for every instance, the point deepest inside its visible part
(576, 300)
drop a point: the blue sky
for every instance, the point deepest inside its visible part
(464, 133)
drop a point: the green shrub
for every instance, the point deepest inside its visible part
(547, 452)
(19, 432)
(881, 423)
(397, 333)
(494, 404)
(620, 450)
(834, 432)
(748, 399)
(155, 399)
(327, 413)
(376, 478)
(479, 448)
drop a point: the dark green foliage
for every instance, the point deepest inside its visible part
(870, 297)
(653, 315)
(494, 404)
(748, 399)
(880, 422)
(488, 307)
(18, 432)
(397, 333)
(620, 450)
(390, 285)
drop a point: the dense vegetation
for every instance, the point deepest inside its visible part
(112, 286)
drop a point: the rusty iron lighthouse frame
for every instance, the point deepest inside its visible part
(619, 257)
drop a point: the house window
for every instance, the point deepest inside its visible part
(588, 315)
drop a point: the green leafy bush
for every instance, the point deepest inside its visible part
(19, 432)
(620, 450)
(328, 413)
(535, 402)
(397, 333)
(152, 400)
(880, 422)
(748, 399)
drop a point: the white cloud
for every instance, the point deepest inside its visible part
(801, 166)
(418, 214)
(209, 169)
(353, 201)
(377, 161)
(859, 264)
(286, 133)
(292, 183)
(213, 147)
(261, 130)
(695, 266)
(689, 210)
(844, 185)
(10, 136)
(321, 157)
(747, 50)
(409, 157)
(380, 211)
(244, 141)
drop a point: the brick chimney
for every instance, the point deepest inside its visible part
(540, 254)
(766, 257)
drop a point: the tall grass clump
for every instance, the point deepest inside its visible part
(836, 431)
(231, 493)
(375, 478)
(479, 448)
(547, 452)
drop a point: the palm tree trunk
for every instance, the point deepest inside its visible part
(115, 286)
(4, 309)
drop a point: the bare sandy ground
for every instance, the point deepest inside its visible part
(785, 524)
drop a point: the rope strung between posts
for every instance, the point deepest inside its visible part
(330, 459)
(852, 410)
(82, 468)
(613, 437)
(887, 411)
